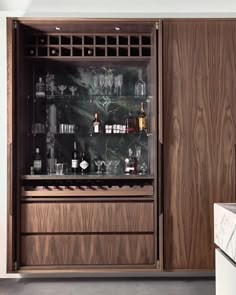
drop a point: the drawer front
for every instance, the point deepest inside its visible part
(87, 249)
(87, 217)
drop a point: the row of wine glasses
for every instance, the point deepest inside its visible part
(107, 84)
(111, 166)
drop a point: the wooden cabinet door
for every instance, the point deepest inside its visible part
(199, 95)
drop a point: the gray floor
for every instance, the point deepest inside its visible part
(138, 286)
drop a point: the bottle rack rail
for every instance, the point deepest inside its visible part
(92, 190)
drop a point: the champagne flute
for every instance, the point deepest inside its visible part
(110, 78)
(101, 82)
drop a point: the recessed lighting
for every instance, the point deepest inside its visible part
(57, 28)
(117, 28)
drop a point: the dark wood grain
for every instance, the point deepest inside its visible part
(199, 136)
(87, 249)
(87, 217)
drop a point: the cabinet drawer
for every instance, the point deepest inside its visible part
(87, 249)
(87, 217)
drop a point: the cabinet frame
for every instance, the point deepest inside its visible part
(13, 185)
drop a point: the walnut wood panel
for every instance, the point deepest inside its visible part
(87, 217)
(87, 249)
(199, 135)
(125, 190)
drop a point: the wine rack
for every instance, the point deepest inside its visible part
(80, 45)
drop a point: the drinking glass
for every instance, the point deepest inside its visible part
(120, 83)
(116, 164)
(116, 85)
(98, 163)
(73, 89)
(107, 164)
(101, 82)
(95, 84)
(110, 79)
(62, 88)
(59, 169)
(106, 84)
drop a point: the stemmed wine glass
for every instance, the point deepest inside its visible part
(110, 81)
(107, 164)
(99, 163)
(95, 83)
(106, 84)
(120, 82)
(101, 82)
(62, 88)
(116, 85)
(73, 89)
(116, 163)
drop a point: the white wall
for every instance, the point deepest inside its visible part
(83, 8)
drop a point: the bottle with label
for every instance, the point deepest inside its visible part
(37, 163)
(140, 85)
(130, 163)
(96, 125)
(83, 163)
(131, 123)
(40, 88)
(75, 159)
(142, 119)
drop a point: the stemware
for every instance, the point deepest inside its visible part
(73, 90)
(62, 88)
(116, 85)
(120, 83)
(116, 164)
(95, 84)
(110, 78)
(106, 84)
(101, 82)
(108, 164)
(99, 163)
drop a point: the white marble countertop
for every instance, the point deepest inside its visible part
(225, 228)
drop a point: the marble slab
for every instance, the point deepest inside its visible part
(225, 228)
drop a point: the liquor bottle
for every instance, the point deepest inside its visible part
(96, 125)
(130, 163)
(83, 163)
(140, 85)
(142, 119)
(40, 88)
(131, 123)
(37, 163)
(75, 160)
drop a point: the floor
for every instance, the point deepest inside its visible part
(138, 286)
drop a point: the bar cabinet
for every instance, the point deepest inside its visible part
(106, 214)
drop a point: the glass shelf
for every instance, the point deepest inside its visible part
(49, 99)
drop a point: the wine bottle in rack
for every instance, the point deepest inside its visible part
(37, 163)
(142, 119)
(75, 159)
(96, 125)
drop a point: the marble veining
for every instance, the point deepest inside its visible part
(225, 228)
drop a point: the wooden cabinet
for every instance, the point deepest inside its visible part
(104, 212)
(199, 83)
